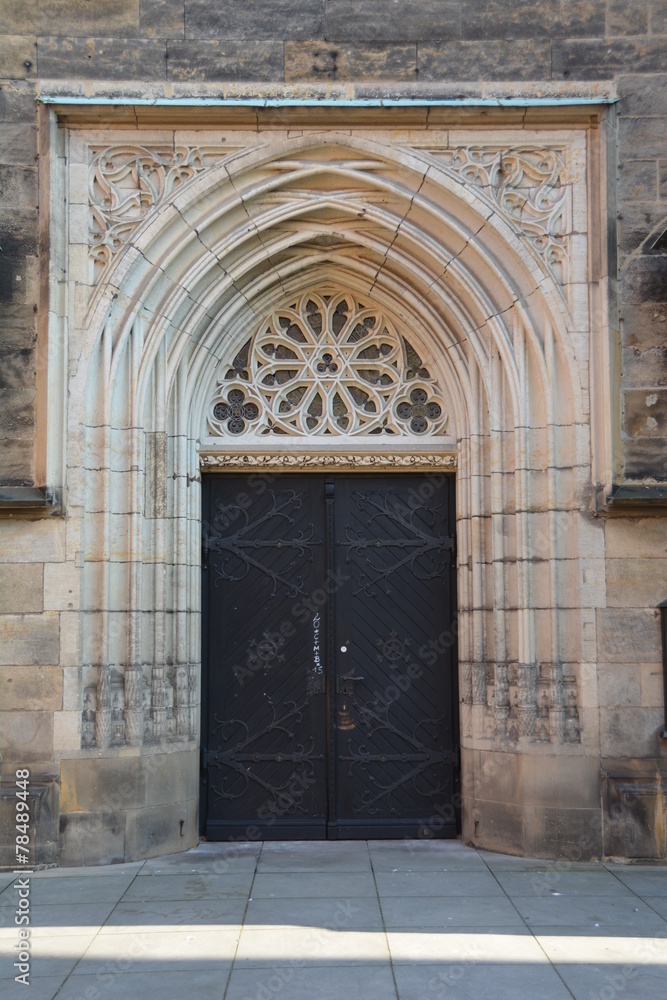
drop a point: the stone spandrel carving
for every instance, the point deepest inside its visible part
(528, 186)
(327, 365)
(125, 183)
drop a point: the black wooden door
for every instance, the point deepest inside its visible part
(329, 682)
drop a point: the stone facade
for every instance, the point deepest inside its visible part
(507, 214)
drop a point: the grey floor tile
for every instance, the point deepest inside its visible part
(204, 984)
(476, 945)
(336, 913)
(286, 885)
(435, 912)
(657, 903)
(201, 885)
(40, 988)
(550, 883)
(79, 890)
(166, 951)
(479, 981)
(160, 914)
(615, 945)
(96, 871)
(621, 982)
(439, 855)
(283, 946)
(588, 911)
(645, 881)
(49, 956)
(373, 982)
(60, 919)
(218, 859)
(314, 856)
(510, 863)
(420, 883)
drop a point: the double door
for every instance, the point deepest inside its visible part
(329, 700)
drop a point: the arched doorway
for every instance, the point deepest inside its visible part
(487, 302)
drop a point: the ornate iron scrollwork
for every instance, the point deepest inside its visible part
(240, 551)
(427, 555)
(373, 721)
(240, 757)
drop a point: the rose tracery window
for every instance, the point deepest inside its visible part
(327, 365)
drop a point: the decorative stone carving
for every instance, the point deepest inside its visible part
(526, 706)
(502, 699)
(103, 712)
(527, 185)
(324, 461)
(134, 714)
(327, 365)
(125, 183)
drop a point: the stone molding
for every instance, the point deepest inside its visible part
(278, 460)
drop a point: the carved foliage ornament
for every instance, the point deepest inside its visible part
(125, 183)
(326, 366)
(528, 185)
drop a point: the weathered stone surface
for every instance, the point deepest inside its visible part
(632, 729)
(229, 59)
(636, 538)
(32, 541)
(21, 587)
(633, 583)
(16, 463)
(62, 582)
(29, 639)
(599, 60)
(391, 21)
(662, 179)
(625, 18)
(658, 17)
(642, 95)
(18, 407)
(644, 458)
(263, 19)
(619, 684)
(18, 144)
(532, 19)
(626, 636)
(326, 61)
(18, 56)
(644, 368)
(31, 689)
(161, 830)
(638, 180)
(643, 325)
(26, 736)
(639, 135)
(43, 810)
(17, 368)
(163, 18)
(633, 806)
(91, 838)
(17, 102)
(101, 58)
(70, 17)
(492, 60)
(646, 412)
(643, 280)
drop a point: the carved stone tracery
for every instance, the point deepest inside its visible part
(327, 365)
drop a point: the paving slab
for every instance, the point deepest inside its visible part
(149, 952)
(384, 920)
(483, 981)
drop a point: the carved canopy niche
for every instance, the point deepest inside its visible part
(327, 366)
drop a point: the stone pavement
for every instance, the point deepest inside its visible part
(383, 920)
